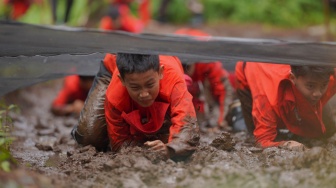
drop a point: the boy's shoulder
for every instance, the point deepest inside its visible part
(173, 76)
(117, 95)
(172, 65)
(171, 61)
(267, 71)
(110, 62)
(265, 79)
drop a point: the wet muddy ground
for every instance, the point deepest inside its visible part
(48, 157)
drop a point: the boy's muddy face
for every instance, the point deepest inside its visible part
(311, 87)
(143, 88)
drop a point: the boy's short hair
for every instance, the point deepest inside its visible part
(316, 71)
(136, 63)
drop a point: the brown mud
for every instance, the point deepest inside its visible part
(47, 156)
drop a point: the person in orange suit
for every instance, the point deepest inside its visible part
(279, 97)
(119, 17)
(143, 8)
(221, 88)
(146, 104)
(70, 100)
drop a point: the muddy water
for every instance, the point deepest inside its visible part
(48, 157)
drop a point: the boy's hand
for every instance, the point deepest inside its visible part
(294, 146)
(159, 146)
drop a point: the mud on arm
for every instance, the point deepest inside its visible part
(184, 132)
(91, 129)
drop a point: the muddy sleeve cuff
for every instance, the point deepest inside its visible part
(266, 144)
(184, 143)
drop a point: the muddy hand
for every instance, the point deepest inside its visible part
(157, 145)
(294, 146)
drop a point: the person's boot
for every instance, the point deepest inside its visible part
(235, 117)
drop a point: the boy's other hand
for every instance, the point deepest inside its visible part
(294, 146)
(159, 146)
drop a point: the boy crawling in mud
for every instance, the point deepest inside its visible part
(146, 103)
(278, 96)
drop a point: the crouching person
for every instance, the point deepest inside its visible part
(294, 98)
(146, 103)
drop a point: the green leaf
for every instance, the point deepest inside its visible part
(5, 166)
(12, 106)
(2, 141)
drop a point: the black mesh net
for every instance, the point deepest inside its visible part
(30, 53)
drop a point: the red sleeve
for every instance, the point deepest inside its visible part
(129, 22)
(330, 91)
(265, 121)
(62, 98)
(65, 95)
(106, 23)
(144, 11)
(184, 134)
(70, 92)
(181, 108)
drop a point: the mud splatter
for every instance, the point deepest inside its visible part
(224, 142)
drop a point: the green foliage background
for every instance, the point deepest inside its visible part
(285, 13)
(274, 12)
(6, 139)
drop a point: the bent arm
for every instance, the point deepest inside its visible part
(222, 89)
(184, 133)
(265, 121)
(60, 104)
(118, 130)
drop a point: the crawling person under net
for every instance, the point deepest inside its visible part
(294, 98)
(140, 100)
(212, 89)
(70, 99)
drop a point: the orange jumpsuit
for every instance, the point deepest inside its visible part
(128, 23)
(172, 116)
(20, 7)
(278, 104)
(144, 8)
(70, 92)
(215, 75)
